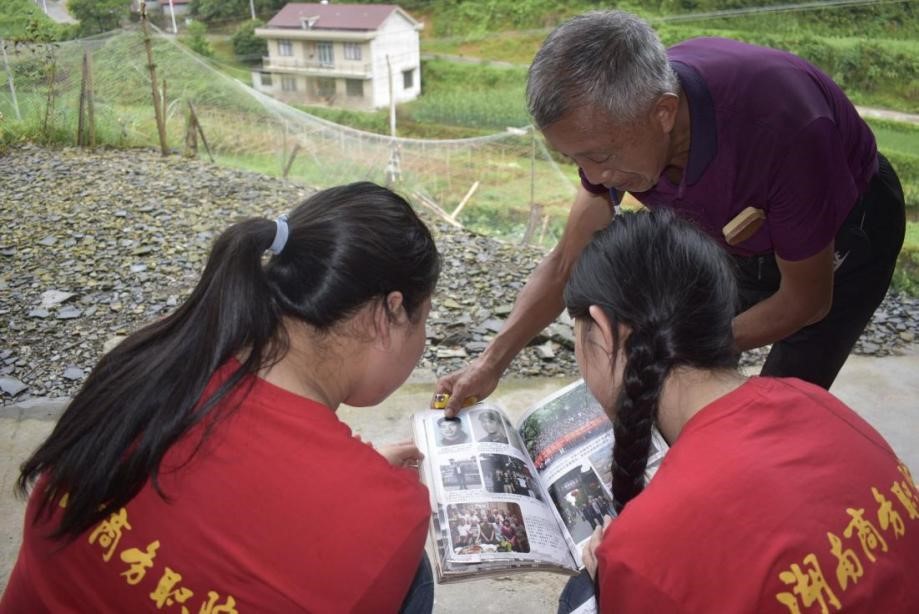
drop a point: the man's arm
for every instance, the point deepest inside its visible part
(537, 305)
(804, 297)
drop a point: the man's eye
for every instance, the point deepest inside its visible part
(599, 159)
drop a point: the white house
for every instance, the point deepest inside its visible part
(341, 55)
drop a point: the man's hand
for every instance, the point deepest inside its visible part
(474, 381)
(402, 454)
(589, 553)
(537, 305)
(805, 296)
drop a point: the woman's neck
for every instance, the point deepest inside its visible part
(312, 367)
(686, 391)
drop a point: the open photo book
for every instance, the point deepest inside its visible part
(522, 498)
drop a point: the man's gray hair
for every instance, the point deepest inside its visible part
(610, 60)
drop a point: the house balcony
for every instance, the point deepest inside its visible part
(308, 67)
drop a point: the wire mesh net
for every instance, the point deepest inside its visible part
(507, 183)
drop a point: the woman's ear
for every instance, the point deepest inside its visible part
(603, 326)
(387, 313)
(394, 306)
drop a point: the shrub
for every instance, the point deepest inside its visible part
(246, 45)
(196, 39)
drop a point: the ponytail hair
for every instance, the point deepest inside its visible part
(347, 246)
(674, 288)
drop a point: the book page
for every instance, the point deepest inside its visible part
(490, 509)
(570, 440)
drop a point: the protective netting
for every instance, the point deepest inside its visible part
(506, 173)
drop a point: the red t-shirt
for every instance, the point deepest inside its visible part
(775, 495)
(281, 510)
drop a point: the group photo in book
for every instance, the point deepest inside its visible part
(486, 527)
(562, 424)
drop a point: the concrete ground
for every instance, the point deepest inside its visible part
(885, 391)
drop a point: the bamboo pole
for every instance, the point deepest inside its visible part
(90, 101)
(194, 117)
(81, 112)
(466, 198)
(290, 161)
(157, 107)
(49, 100)
(9, 80)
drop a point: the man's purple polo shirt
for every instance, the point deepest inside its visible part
(771, 131)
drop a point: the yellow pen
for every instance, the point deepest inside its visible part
(442, 398)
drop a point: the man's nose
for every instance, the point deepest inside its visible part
(596, 174)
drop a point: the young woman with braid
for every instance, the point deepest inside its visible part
(202, 466)
(774, 496)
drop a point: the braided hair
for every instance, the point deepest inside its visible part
(674, 288)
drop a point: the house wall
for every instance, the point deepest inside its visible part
(398, 39)
(309, 90)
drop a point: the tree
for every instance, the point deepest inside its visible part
(222, 10)
(197, 40)
(246, 45)
(98, 15)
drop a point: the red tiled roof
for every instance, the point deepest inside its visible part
(333, 16)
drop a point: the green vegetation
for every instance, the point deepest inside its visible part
(906, 277)
(213, 12)
(24, 20)
(246, 45)
(97, 16)
(471, 95)
(196, 39)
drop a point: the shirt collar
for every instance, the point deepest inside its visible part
(703, 143)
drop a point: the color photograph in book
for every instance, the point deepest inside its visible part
(561, 424)
(582, 501)
(487, 527)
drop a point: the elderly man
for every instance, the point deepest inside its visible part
(758, 147)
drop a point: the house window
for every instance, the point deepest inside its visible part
(288, 84)
(325, 87)
(352, 51)
(354, 88)
(408, 79)
(285, 48)
(325, 54)
(266, 79)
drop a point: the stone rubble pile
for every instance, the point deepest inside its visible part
(94, 245)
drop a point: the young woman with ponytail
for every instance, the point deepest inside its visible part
(774, 496)
(202, 466)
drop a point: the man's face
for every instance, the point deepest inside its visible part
(627, 157)
(449, 428)
(489, 424)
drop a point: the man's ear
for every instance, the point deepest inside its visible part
(664, 112)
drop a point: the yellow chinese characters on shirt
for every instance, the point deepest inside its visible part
(851, 555)
(168, 594)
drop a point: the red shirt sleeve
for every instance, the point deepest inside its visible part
(396, 572)
(624, 589)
